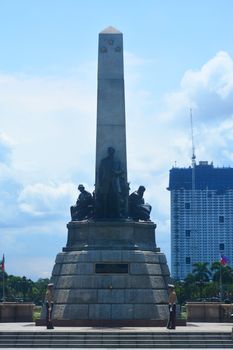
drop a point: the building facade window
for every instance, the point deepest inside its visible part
(221, 246)
(221, 219)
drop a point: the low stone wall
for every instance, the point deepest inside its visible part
(209, 312)
(16, 312)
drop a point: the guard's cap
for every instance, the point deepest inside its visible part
(50, 285)
(171, 286)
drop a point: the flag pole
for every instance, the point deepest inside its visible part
(220, 282)
(3, 286)
(2, 265)
(223, 262)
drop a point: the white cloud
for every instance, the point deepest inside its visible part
(50, 119)
(216, 76)
(209, 91)
(45, 94)
(31, 250)
(5, 149)
(42, 199)
(39, 266)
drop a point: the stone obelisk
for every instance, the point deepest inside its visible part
(110, 98)
(110, 272)
(110, 131)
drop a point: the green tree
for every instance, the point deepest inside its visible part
(202, 275)
(211, 290)
(225, 270)
(204, 282)
(39, 290)
(223, 275)
(23, 289)
(201, 271)
(190, 287)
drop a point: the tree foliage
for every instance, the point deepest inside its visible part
(201, 272)
(23, 289)
(225, 270)
(204, 283)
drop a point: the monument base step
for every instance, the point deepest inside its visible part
(110, 323)
(118, 339)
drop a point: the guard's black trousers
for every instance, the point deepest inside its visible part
(172, 317)
(49, 309)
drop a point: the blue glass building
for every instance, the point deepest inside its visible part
(201, 216)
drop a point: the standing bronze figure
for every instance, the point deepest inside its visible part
(111, 195)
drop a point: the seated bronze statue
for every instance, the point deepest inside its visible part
(83, 209)
(138, 209)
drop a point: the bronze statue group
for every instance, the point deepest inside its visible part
(111, 201)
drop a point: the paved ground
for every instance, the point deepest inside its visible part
(191, 327)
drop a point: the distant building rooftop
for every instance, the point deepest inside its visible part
(206, 176)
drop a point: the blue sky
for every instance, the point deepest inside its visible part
(177, 54)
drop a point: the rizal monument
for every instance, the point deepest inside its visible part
(111, 272)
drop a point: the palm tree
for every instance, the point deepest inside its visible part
(226, 271)
(201, 271)
(201, 274)
(223, 274)
(190, 287)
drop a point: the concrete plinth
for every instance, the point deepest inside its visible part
(209, 312)
(99, 278)
(16, 312)
(110, 235)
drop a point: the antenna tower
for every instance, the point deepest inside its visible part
(193, 193)
(193, 147)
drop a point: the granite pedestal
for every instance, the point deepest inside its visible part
(110, 273)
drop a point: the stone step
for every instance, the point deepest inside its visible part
(131, 346)
(54, 339)
(123, 345)
(130, 337)
(57, 332)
